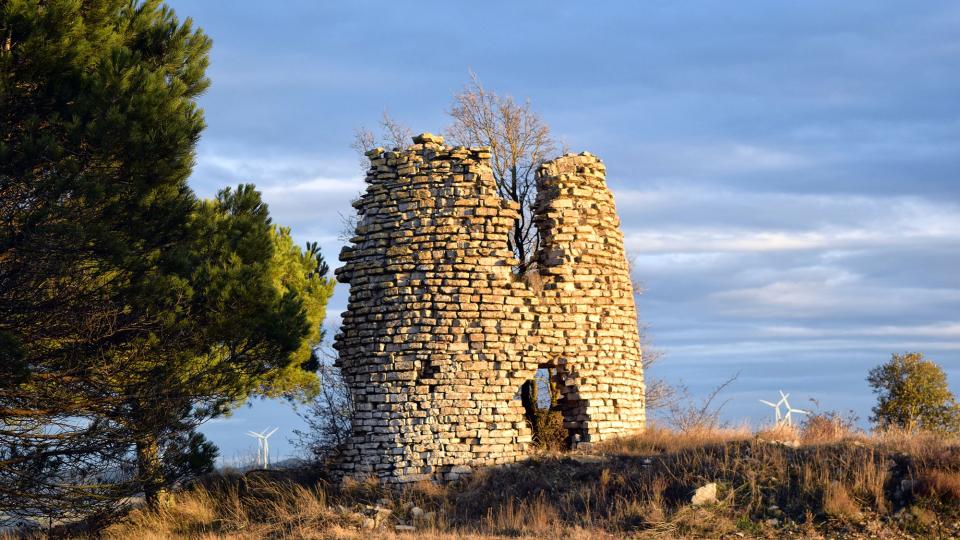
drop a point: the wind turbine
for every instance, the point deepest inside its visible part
(788, 419)
(776, 411)
(263, 446)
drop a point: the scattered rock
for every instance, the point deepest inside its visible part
(705, 495)
(416, 512)
(428, 138)
(404, 528)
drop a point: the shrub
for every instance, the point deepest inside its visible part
(839, 503)
(912, 394)
(329, 416)
(549, 432)
(827, 427)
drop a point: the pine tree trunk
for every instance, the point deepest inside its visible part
(149, 469)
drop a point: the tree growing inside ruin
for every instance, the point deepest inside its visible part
(912, 394)
(519, 142)
(392, 134)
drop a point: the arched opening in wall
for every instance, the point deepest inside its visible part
(550, 409)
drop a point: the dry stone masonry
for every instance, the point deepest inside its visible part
(440, 334)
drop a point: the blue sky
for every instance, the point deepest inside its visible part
(788, 174)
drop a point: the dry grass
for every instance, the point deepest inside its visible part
(827, 428)
(658, 440)
(838, 503)
(889, 486)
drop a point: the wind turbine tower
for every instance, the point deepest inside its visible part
(783, 419)
(776, 411)
(263, 445)
(788, 418)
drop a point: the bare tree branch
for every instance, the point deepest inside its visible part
(519, 142)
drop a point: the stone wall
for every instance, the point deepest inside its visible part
(440, 334)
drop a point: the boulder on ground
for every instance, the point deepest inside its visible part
(705, 495)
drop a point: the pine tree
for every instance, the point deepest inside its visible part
(249, 326)
(129, 310)
(98, 123)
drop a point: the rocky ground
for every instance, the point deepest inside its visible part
(715, 484)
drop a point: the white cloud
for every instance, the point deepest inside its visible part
(945, 330)
(318, 185)
(827, 297)
(277, 169)
(746, 352)
(718, 157)
(751, 157)
(693, 219)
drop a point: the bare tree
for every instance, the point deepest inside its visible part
(689, 416)
(392, 134)
(659, 393)
(329, 416)
(519, 141)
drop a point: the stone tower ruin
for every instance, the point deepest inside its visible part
(440, 333)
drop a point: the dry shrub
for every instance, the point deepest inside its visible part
(234, 507)
(780, 433)
(839, 503)
(190, 512)
(368, 489)
(940, 485)
(826, 427)
(916, 443)
(657, 440)
(536, 516)
(701, 522)
(633, 514)
(549, 432)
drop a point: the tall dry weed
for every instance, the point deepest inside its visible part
(638, 486)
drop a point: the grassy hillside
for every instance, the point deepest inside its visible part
(768, 486)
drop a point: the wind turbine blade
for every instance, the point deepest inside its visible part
(252, 434)
(274, 430)
(801, 411)
(765, 402)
